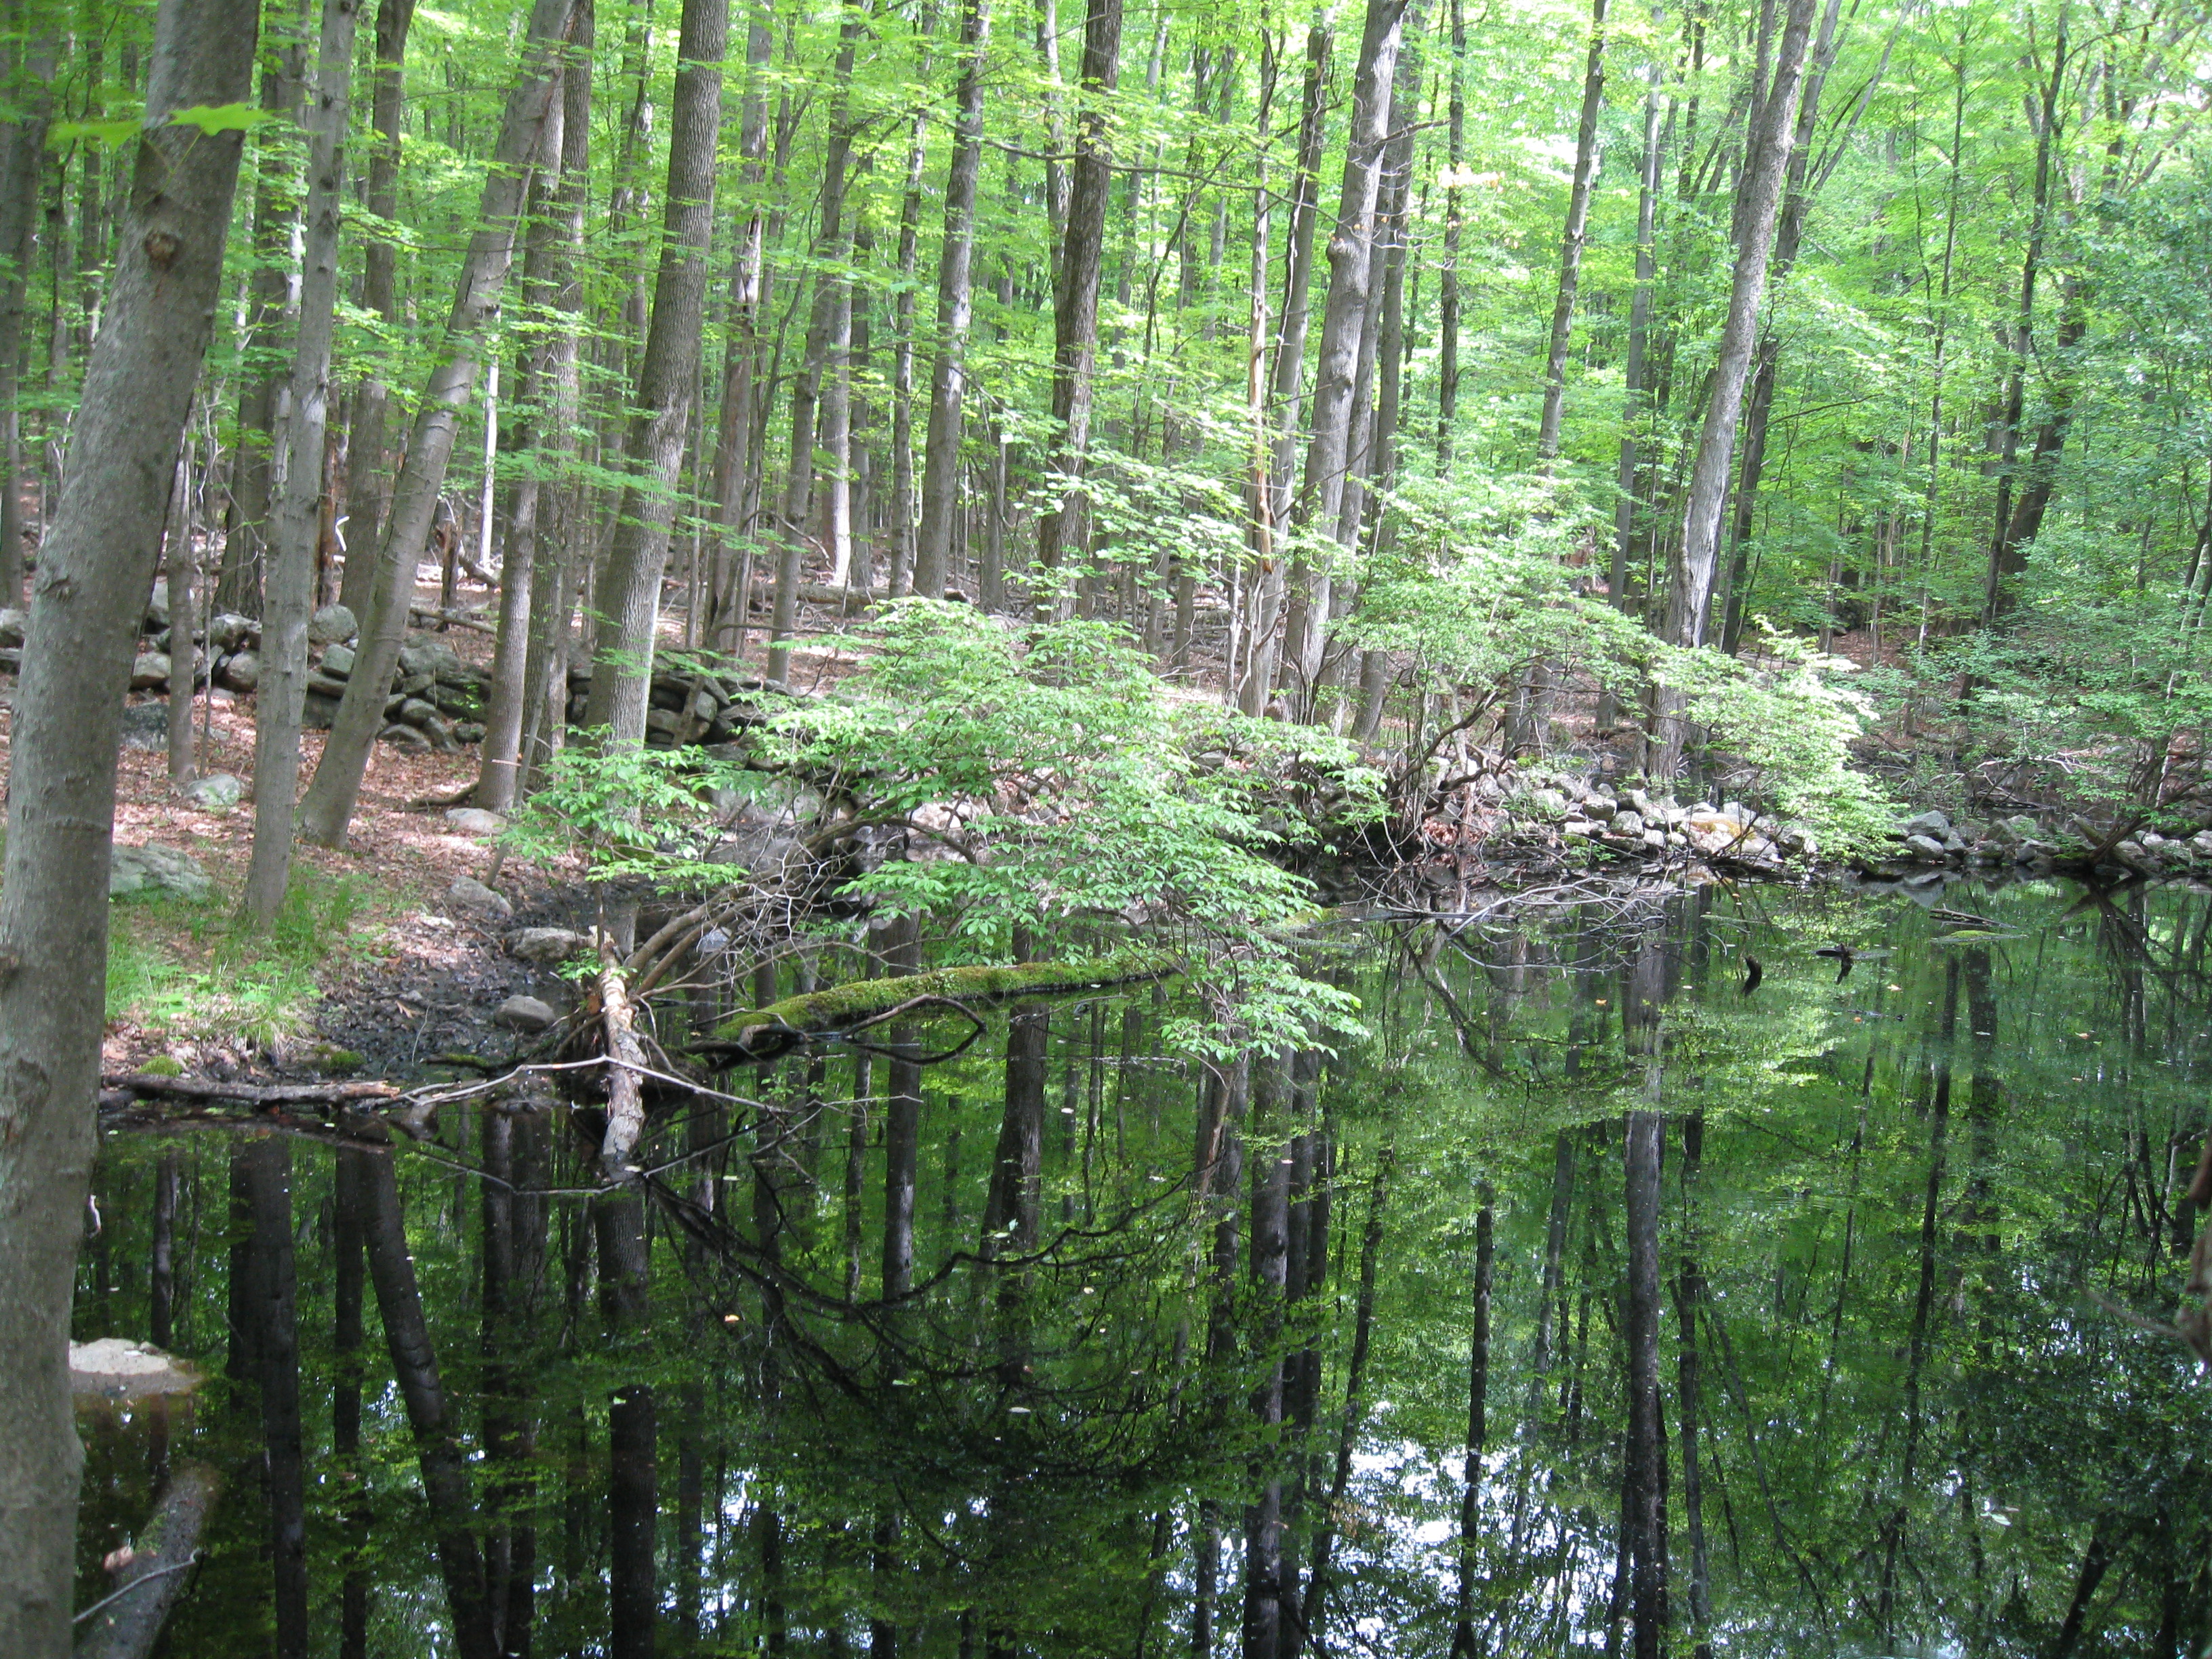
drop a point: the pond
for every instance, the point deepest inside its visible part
(1818, 1306)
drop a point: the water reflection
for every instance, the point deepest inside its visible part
(1607, 1296)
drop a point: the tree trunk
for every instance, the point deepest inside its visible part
(1065, 525)
(1689, 1291)
(291, 577)
(180, 568)
(1570, 245)
(2007, 556)
(1478, 1431)
(1455, 225)
(379, 294)
(1645, 1519)
(274, 299)
(22, 163)
(737, 460)
(437, 1437)
(1264, 1607)
(629, 595)
(331, 797)
(1319, 507)
(1758, 196)
(832, 247)
(560, 521)
(1637, 373)
(93, 575)
(948, 374)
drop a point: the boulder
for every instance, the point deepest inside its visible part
(12, 624)
(1598, 807)
(1927, 848)
(1936, 825)
(148, 872)
(115, 1370)
(415, 712)
(523, 1014)
(469, 894)
(1548, 804)
(241, 672)
(545, 947)
(157, 608)
(218, 792)
(146, 725)
(1628, 823)
(230, 632)
(406, 738)
(318, 710)
(475, 821)
(331, 625)
(338, 662)
(431, 657)
(150, 670)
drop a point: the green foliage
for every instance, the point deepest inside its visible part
(179, 968)
(1056, 789)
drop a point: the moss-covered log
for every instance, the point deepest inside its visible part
(765, 1033)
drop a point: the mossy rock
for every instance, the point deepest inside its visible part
(162, 1065)
(766, 1033)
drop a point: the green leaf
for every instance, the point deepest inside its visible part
(212, 118)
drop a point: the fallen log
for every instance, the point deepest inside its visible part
(126, 1625)
(142, 1083)
(766, 1033)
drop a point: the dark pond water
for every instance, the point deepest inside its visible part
(1819, 1318)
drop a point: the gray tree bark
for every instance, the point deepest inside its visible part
(1570, 245)
(667, 382)
(379, 295)
(290, 589)
(545, 261)
(93, 576)
(1690, 589)
(21, 159)
(329, 802)
(955, 311)
(832, 246)
(1066, 526)
(1319, 507)
(737, 462)
(553, 582)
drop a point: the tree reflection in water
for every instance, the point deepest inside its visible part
(1587, 1301)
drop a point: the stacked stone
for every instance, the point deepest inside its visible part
(692, 700)
(436, 702)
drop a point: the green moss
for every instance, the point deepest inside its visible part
(842, 1006)
(163, 1066)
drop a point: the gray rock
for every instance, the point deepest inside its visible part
(1580, 828)
(2134, 856)
(157, 608)
(467, 893)
(1628, 823)
(475, 821)
(330, 625)
(663, 721)
(319, 710)
(415, 712)
(1654, 839)
(146, 725)
(338, 661)
(1598, 807)
(218, 792)
(1548, 804)
(241, 672)
(1936, 824)
(146, 872)
(1927, 847)
(2018, 827)
(469, 731)
(150, 670)
(12, 624)
(229, 631)
(429, 656)
(523, 1014)
(407, 737)
(545, 946)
